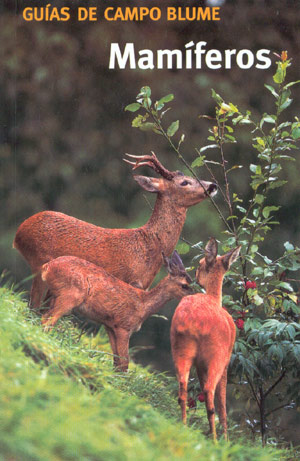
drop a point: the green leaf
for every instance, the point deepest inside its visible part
(285, 285)
(182, 248)
(276, 184)
(133, 107)
(160, 104)
(245, 121)
(233, 107)
(270, 88)
(291, 331)
(173, 128)
(267, 260)
(259, 199)
(198, 161)
(280, 73)
(267, 119)
(257, 271)
(234, 167)
(286, 104)
(167, 98)
(284, 125)
(231, 138)
(138, 121)
(216, 97)
(210, 146)
(236, 120)
(241, 209)
(291, 84)
(267, 210)
(258, 300)
(148, 126)
(288, 246)
(145, 91)
(296, 133)
(255, 169)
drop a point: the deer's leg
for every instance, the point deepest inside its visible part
(122, 346)
(62, 305)
(184, 353)
(183, 366)
(202, 374)
(221, 399)
(38, 288)
(210, 381)
(112, 340)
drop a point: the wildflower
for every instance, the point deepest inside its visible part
(240, 324)
(284, 56)
(250, 284)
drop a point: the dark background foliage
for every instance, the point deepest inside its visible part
(63, 129)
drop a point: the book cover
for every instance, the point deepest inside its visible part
(83, 83)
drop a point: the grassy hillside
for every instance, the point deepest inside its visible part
(61, 400)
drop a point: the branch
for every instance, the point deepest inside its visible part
(277, 408)
(253, 391)
(276, 383)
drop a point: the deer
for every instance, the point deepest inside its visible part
(203, 335)
(132, 255)
(98, 295)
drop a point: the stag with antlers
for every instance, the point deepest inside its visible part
(132, 255)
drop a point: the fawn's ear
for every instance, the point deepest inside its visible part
(175, 266)
(165, 260)
(149, 184)
(230, 257)
(172, 264)
(211, 251)
(177, 262)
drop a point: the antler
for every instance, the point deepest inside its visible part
(153, 162)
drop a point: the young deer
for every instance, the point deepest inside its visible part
(132, 255)
(203, 334)
(74, 282)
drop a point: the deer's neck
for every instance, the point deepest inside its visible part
(214, 289)
(166, 223)
(156, 298)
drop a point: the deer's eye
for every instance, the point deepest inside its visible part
(185, 286)
(184, 183)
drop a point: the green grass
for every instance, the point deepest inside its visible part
(61, 400)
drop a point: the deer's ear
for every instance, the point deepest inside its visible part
(177, 261)
(149, 184)
(174, 265)
(165, 260)
(211, 251)
(230, 257)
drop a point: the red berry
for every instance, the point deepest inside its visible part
(250, 284)
(191, 403)
(201, 397)
(240, 324)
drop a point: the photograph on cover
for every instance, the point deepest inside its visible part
(149, 240)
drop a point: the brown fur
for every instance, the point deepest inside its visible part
(203, 334)
(132, 255)
(76, 283)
